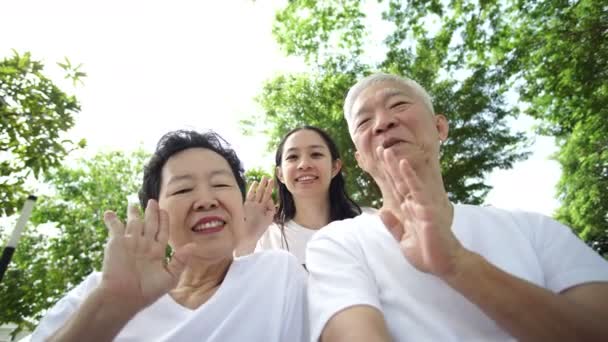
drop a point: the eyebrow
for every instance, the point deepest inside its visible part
(386, 94)
(218, 172)
(309, 147)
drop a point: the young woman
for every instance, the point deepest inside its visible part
(311, 191)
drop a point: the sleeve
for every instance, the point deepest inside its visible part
(58, 315)
(295, 325)
(565, 259)
(339, 276)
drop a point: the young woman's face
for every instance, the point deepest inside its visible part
(306, 165)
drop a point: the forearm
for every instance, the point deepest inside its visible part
(526, 311)
(97, 319)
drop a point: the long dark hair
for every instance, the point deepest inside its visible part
(341, 206)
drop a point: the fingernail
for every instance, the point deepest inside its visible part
(109, 215)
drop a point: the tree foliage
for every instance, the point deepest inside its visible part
(555, 54)
(34, 113)
(66, 237)
(333, 38)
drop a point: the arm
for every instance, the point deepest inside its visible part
(529, 312)
(422, 225)
(98, 318)
(342, 292)
(134, 275)
(357, 323)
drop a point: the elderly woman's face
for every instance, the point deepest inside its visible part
(203, 200)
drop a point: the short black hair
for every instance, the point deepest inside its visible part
(177, 141)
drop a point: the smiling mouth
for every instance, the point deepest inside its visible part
(391, 142)
(306, 178)
(213, 226)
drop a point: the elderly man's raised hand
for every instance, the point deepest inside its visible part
(421, 219)
(135, 270)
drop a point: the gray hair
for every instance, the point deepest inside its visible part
(376, 78)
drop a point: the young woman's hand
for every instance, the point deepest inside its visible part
(259, 212)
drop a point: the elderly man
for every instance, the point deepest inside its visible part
(425, 269)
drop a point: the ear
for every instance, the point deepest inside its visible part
(442, 125)
(360, 160)
(279, 173)
(336, 167)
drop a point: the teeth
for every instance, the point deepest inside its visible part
(305, 178)
(208, 225)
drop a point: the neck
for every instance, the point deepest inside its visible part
(311, 212)
(199, 281)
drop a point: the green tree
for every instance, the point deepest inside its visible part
(67, 235)
(555, 54)
(34, 113)
(332, 38)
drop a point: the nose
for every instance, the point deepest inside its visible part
(384, 121)
(304, 163)
(205, 202)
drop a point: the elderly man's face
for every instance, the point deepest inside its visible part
(394, 116)
(204, 202)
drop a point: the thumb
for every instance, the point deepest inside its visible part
(179, 260)
(392, 223)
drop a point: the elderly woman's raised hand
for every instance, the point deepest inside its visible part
(135, 270)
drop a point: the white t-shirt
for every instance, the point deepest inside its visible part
(297, 237)
(262, 298)
(358, 262)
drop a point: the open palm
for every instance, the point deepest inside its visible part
(422, 222)
(134, 265)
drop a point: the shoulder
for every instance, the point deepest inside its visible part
(365, 225)
(275, 260)
(350, 239)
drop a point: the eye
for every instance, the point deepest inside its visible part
(316, 154)
(362, 122)
(399, 104)
(291, 157)
(221, 185)
(181, 191)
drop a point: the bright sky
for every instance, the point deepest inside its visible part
(154, 66)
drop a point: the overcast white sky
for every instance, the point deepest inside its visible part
(154, 66)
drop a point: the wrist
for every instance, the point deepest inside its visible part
(113, 305)
(465, 264)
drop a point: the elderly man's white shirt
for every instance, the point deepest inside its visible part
(357, 262)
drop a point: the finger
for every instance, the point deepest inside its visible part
(392, 223)
(115, 227)
(163, 228)
(268, 193)
(179, 260)
(412, 181)
(394, 170)
(135, 226)
(252, 190)
(388, 176)
(261, 189)
(150, 229)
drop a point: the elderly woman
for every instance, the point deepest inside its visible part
(193, 193)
